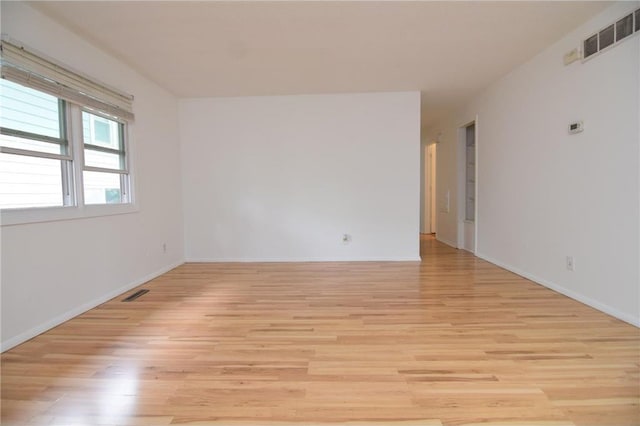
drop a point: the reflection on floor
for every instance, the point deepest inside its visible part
(450, 340)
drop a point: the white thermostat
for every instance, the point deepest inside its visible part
(576, 127)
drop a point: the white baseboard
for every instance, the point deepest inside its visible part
(298, 259)
(53, 322)
(565, 291)
(23, 337)
(447, 242)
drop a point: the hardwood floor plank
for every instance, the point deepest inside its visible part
(451, 340)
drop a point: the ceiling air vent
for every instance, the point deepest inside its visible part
(612, 34)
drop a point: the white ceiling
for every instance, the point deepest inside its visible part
(447, 50)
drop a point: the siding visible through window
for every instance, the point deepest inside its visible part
(28, 110)
(101, 131)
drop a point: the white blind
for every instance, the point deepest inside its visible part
(25, 67)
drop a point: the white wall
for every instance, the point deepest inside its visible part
(283, 178)
(544, 194)
(55, 270)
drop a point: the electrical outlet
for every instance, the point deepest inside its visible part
(570, 263)
(346, 238)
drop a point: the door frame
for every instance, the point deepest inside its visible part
(461, 178)
(431, 182)
(428, 188)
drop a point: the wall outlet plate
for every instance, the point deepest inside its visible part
(571, 263)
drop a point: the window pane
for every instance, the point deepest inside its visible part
(102, 159)
(102, 188)
(28, 110)
(32, 145)
(30, 182)
(100, 131)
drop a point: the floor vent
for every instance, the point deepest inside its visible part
(135, 295)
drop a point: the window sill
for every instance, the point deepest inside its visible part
(53, 214)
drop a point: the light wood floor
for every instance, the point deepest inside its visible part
(453, 340)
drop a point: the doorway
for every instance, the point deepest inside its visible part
(467, 187)
(428, 185)
(431, 187)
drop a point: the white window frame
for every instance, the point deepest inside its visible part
(72, 177)
(125, 174)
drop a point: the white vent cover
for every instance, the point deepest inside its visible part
(612, 34)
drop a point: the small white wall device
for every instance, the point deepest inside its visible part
(572, 56)
(576, 127)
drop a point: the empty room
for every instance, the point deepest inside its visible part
(320, 213)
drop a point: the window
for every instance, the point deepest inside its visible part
(63, 137)
(36, 165)
(105, 170)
